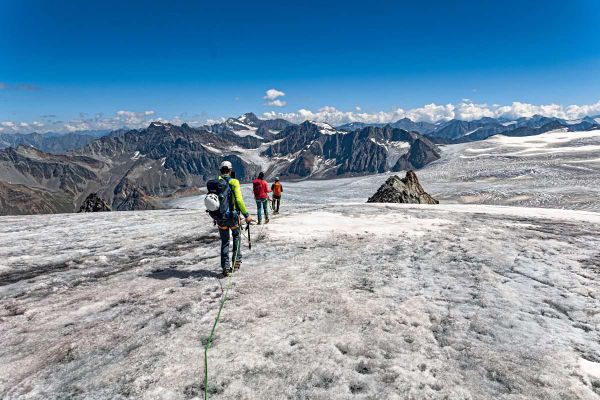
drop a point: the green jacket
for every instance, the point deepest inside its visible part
(234, 184)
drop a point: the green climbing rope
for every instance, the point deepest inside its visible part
(221, 304)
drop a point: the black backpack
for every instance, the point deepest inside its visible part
(226, 212)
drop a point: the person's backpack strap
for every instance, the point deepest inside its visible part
(232, 200)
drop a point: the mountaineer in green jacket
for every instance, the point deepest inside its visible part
(225, 204)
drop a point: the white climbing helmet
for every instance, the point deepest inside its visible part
(211, 202)
(226, 164)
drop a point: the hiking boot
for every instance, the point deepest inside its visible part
(258, 223)
(226, 272)
(237, 265)
(267, 221)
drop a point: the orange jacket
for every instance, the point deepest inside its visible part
(277, 189)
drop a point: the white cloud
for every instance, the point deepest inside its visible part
(465, 110)
(277, 103)
(212, 121)
(122, 118)
(272, 94)
(133, 118)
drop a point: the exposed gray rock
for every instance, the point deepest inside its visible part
(19, 199)
(133, 170)
(402, 190)
(34, 182)
(321, 152)
(130, 197)
(93, 203)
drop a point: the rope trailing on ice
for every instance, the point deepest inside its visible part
(222, 303)
(218, 317)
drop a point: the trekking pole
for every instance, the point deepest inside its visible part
(249, 240)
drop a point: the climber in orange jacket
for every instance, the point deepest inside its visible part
(277, 189)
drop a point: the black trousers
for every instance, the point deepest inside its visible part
(276, 201)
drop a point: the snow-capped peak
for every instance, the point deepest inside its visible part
(248, 118)
(325, 128)
(160, 123)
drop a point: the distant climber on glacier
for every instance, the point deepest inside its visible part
(277, 189)
(224, 203)
(261, 195)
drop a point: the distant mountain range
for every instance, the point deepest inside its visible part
(51, 142)
(138, 169)
(459, 131)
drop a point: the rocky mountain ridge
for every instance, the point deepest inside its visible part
(50, 142)
(137, 169)
(460, 131)
(322, 151)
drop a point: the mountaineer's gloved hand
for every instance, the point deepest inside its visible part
(249, 219)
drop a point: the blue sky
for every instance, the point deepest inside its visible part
(193, 60)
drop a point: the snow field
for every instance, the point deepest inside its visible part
(340, 301)
(552, 170)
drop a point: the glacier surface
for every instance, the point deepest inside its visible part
(337, 299)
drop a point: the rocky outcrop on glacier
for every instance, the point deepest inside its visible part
(402, 190)
(93, 203)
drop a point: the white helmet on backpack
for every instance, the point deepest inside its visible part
(211, 202)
